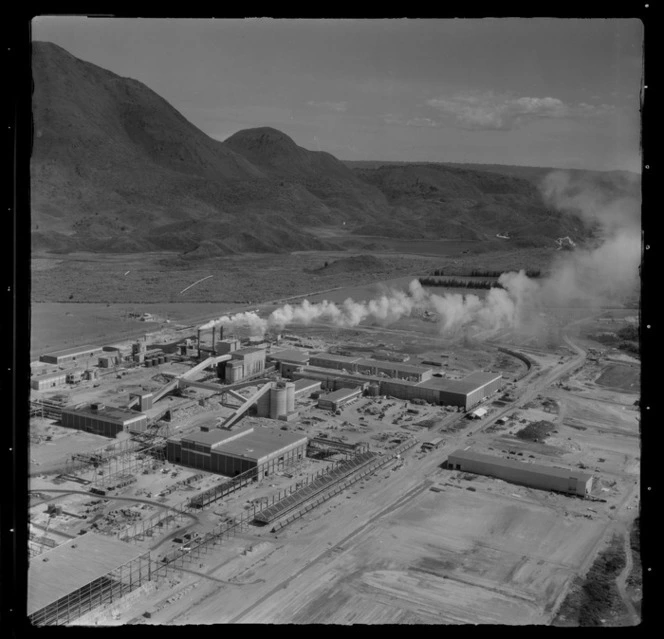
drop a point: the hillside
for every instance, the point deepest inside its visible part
(115, 168)
(464, 204)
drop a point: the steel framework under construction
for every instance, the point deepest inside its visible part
(326, 486)
(105, 589)
(103, 466)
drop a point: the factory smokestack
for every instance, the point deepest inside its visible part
(199, 343)
(214, 331)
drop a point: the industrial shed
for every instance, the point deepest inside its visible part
(332, 379)
(304, 387)
(339, 398)
(466, 392)
(103, 420)
(289, 360)
(50, 380)
(533, 475)
(231, 453)
(371, 367)
(393, 369)
(70, 355)
(81, 574)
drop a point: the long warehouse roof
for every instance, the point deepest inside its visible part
(539, 469)
(72, 565)
(73, 351)
(107, 413)
(260, 443)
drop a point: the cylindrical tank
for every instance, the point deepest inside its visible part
(263, 406)
(373, 390)
(290, 397)
(278, 402)
(161, 359)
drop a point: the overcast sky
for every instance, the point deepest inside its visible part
(541, 92)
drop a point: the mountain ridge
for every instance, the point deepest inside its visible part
(116, 168)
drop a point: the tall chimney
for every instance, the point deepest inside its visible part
(214, 330)
(221, 333)
(199, 343)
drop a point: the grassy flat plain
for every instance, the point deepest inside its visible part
(86, 297)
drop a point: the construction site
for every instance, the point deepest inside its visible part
(191, 467)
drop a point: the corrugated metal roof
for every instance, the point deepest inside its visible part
(260, 443)
(290, 355)
(211, 437)
(73, 351)
(464, 386)
(331, 357)
(303, 383)
(550, 471)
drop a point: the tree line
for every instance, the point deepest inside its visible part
(478, 273)
(452, 283)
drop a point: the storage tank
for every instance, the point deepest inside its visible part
(290, 397)
(278, 402)
(373, 390)
(263, 405)
(160, 359)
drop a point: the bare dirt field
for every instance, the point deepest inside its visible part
(621, 378)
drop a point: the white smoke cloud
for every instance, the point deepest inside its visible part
(592, 276)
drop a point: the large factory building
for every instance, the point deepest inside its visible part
(370, 367)
(70, 355)
(533, 475)
(465, 392)
(244, 363)
(233, 452)
(104, 420)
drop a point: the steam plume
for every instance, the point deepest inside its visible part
(605, 271)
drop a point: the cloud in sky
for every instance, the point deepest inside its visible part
(339, 107)
(489, 111)
(391, 118)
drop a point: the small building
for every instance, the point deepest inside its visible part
(562, 480)
(230, 453)
(478, 413)
(432, 444)
(339, 398)
(75, 376)
(103, 420)
(108, 361)
(48, 381)
(71, 355)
